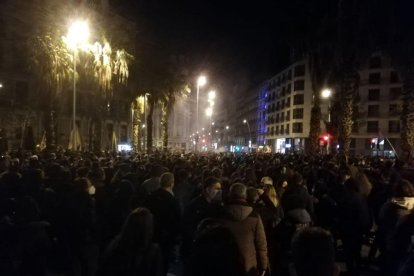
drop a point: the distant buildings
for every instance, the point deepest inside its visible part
(284, 103)
(287, 109)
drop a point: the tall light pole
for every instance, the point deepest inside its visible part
(145, 119)
(78, 34)
(250, 133)
(326, 94)
(200, 82)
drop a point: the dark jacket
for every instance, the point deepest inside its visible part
(166, 210)
(391, 212)
(354, 216)
(248, 230)
(198, 210)
(146, 262)
(297, 197)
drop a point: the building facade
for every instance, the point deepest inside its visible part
(288, 103)
(378, 107)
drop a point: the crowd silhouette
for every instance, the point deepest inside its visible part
(205, 214)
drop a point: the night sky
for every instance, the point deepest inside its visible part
(237, 43)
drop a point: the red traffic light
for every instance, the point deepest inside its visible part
(326, 137)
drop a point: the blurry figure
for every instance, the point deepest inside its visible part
(313, 253)
(132, 252)
(215, 253)
(167, 217)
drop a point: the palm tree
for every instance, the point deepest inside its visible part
(51, 64)
(400, 46)
(167, 104)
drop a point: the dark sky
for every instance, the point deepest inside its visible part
(234, 42)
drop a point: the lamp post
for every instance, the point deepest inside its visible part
(78, 34)
(202, 80)
(145, 120)
(326, 94)
(250, 134)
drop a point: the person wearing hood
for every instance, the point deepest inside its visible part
(247, 228)
(207, 205)
(396, 208)
(400, 205)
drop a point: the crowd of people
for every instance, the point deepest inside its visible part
(204, 214)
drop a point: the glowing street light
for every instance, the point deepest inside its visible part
(78, 35)
(227, 127)
(201, 81)
(1, 85)
(326, 94)
(211, 95)
(250, 134)
(209, 112)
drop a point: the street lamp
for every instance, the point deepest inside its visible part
(201, 81)
(78, 35)
(250, 134)
(145, 119)
(211, 95)
(326, 94)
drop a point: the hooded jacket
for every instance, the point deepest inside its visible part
(248, 230)
(391, 212)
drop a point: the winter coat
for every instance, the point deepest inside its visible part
(166, 210)
(390, 214)
(147, 262)
(194, 213)
(248, 230)
(354, 216)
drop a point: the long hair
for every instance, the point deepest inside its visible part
(137, 231)
(270, 192)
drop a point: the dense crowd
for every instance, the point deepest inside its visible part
(204, 214)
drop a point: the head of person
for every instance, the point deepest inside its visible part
(266, 180)
(252, 195)
(238, 192)
(297, 180)
(83, 185)
(212, 189)
(403, 188)
(352, 185)
(313, 250)
(344, 174)
(137, 231)
(167, 181)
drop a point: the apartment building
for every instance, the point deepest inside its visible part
(378, 108)
(288, 103)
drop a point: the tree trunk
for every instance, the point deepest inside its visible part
(315, 126)
(164, 123)
(407, 125)
(50, 128)
(349, 88)
(136, 123)
(151, 105)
